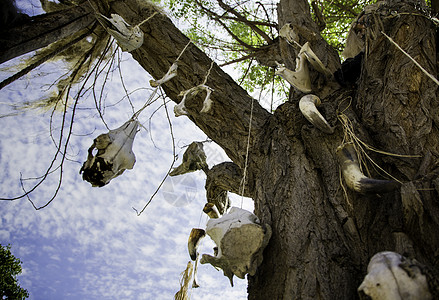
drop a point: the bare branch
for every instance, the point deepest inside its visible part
(244, 20)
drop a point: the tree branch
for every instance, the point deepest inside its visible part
(228, 120)
(244, 20)
(222, 178)
(42, 30)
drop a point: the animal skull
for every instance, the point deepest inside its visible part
(114, 155)
(240, 239)
(391, 276)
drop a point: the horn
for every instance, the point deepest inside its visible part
(194, 238)
(313, 59)
(353, 176)
(211, 210)
(299, 78)
(307, 106)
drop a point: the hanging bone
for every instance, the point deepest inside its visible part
(114, 155)
(353, 176)
(194, 239)
(241, 239)
(128, 37)
(307, 106)
(194, 159)
(287, 32)
(298, 78)
(180, 108)
(391, 276)
(172, 72)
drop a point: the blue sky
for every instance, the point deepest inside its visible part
(89, 243)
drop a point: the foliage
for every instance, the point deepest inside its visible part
(234, 32)
(10, 267)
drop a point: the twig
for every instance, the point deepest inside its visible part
(172, 164)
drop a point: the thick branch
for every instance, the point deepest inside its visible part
(222, 178)
(42, 30)
(228, 120)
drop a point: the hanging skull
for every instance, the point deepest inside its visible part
(114, 155)
(241, 239)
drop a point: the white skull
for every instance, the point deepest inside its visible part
(391, 276)
(240, 239)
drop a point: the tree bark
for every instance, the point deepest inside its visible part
(42, 30)
(322, 240)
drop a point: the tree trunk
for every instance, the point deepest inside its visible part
(323, 233)
(323, 239)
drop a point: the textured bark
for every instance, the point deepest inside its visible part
(322, 240)
(42, 30)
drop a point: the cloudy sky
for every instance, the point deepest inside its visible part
(89, 242)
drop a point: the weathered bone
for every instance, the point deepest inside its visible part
(314, 60)
(114, 155)
(194, 159)
(353, 176)
(128, 37)
(299, 78)
(180, 108)
(307, 106)
(194, 239)
(391, 276)
(172, 72)
(287, 32)
(211, 210)
(240, 239)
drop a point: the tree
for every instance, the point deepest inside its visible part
(324, 232)
(10, 267)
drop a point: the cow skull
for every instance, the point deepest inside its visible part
(391, 276)
(241, 239)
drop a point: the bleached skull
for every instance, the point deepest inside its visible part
(114, 155)
(391, 276)
(240, 239)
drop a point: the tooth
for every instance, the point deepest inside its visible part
(194, 238)
(307, 106)
(353, 176)
(299, 78)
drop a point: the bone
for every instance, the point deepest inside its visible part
(128, 37)
(194, 239)
(240, 239)
(299, 78)
(353, 176)
(180, 108)
(314, 60)
(307, 106)
(172, 72)
(114, 155)
(391, 276)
